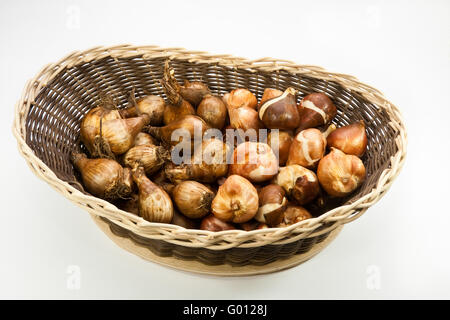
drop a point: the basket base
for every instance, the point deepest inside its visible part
(218, 270)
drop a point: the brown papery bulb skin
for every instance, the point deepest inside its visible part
(173, 113)
(268, 94)
(144, 138)
(149, 156)
(280, 112)
(245, 118)
(293, 215)
(178, 106)
(351, 139)
(300, 183)
(208, 164)
(103, 178)
(236, 200)
(316, 109)
(307, 148)
(254, 161)
(155, 204)
(128, 179)
(119, 134)
(281, 142)
(213, 110)
(193, 199)
(187, 122)
(211, 223)
(225, 98)
(240, 98)
(272, 204)
(152, 105)
(90, 124)
(340, 174)
(194, 91)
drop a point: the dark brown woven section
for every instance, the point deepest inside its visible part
(236, 256)
(52, 125)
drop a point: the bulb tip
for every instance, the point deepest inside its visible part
(291, 90)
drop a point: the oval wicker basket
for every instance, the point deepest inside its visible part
(48, 114)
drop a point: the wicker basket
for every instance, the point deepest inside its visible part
(47, 119)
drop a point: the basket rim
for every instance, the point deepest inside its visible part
(200, 238)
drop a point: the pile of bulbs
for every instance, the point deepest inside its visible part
(130, 163)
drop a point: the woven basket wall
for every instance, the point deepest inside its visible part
(47, 128)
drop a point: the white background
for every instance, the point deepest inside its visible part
(399, 47)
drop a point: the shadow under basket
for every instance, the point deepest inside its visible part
(47, 127)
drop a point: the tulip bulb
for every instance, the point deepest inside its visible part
(299, 183)
(194, 91)
(316, 109)
(240, 98)
(211, 223)
(193, 199)
(151, 105)
(173, 113)
(340, 174)
(351, 139)
(186, 124)
(144, 138)
(268, 94)
(254, 161)
(208, 163)
(104, 178)
(178, 106)
(90, 125)
(293, 215)
(272, 204)
(307, 148)
(155, 204)
(245, 118)
(119, 134)
(149, 156)
(225, 98)
(280, 112)
(213, 111)
(236, 200)
(280, 141)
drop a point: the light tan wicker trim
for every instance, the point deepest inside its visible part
(197, 238)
